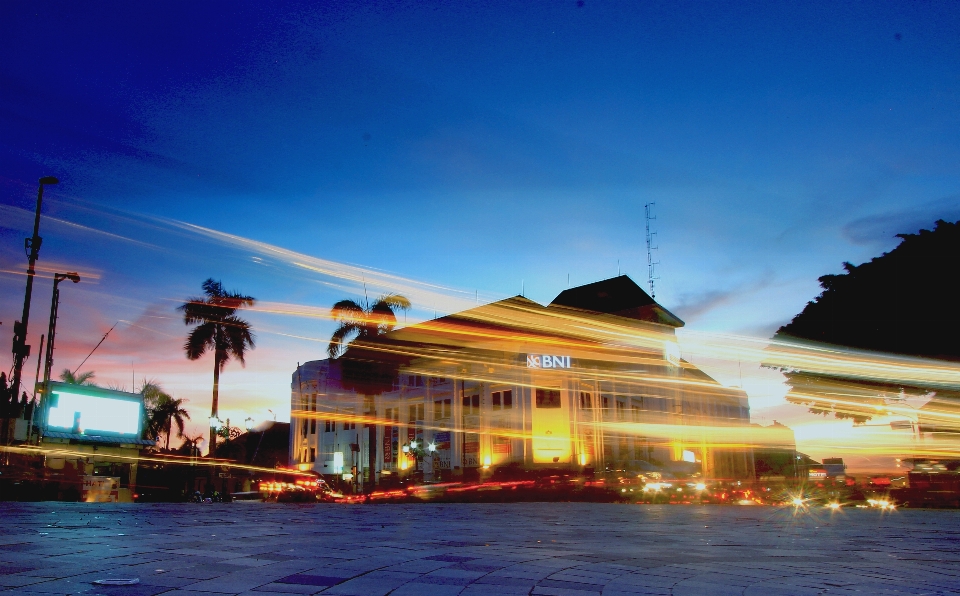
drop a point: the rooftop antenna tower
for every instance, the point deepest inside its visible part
(651, 264)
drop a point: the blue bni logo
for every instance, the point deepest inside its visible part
(547, 361)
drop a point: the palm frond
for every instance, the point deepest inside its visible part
(339, 340)
(394, 301)
(347, 310)
(237, 338)
(212, 288)
(67, 376)
(202, 338)
(366, 323)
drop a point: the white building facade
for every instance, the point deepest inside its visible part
(518, 386)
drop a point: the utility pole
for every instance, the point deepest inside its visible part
(21, 351)
(36, 398)
(52, 330)
(651, 264)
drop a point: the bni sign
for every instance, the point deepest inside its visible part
(547, 361)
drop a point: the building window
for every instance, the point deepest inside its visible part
(635, 412)
(502, 400)
(392, 414)
(605, 402)
(441, 408)
(548, 398)
(313, 454)
(621, 409)
(313, 402)
(586, 401)
(328, 426)
(416, 413)
(471, 404)
(313, 426)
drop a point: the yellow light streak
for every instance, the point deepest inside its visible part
(56, 452)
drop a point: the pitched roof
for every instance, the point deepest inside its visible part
(619, 296)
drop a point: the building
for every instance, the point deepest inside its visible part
(593, 382)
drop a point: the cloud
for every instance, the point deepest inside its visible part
(694, 306)
(883, 228)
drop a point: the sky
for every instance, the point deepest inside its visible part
(478, 147)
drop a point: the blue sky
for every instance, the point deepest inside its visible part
(477, 145)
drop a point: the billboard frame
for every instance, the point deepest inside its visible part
(54, 387)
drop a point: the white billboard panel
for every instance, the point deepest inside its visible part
(93, 411)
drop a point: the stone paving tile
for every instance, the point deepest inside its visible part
(484, 590)
(570, 585)
(552, 591)
(15, 581)
(286, 589)
(418, 588)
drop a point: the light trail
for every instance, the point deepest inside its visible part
(843, 381)
(55, 452)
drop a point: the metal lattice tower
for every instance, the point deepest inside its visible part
(651, 264)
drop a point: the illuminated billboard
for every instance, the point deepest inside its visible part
(85, 410)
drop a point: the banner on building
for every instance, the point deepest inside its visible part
(388, 445)
(101, 489)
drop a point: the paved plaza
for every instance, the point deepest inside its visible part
(574, 549)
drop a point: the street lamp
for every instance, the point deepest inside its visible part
(52, 333)
(248, 424)
(215, 423)
(21, 351)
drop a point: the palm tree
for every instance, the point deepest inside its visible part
(170, 411)
(357, 321)
(219, 330)
(86, 378)
(162, 411)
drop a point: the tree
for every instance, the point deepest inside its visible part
(219, 330)
(356, 322)
(902, 302)
(67, 376)
(163, 411)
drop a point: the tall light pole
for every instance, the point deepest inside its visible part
(21, 351)
(52, 332)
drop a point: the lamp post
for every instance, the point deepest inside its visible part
(51, 334)
(21, 351)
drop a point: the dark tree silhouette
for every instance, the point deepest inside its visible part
(86, 378)
(219, 330)
(164, 413)
(902, 302)
(358, 343)
(355, 321)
